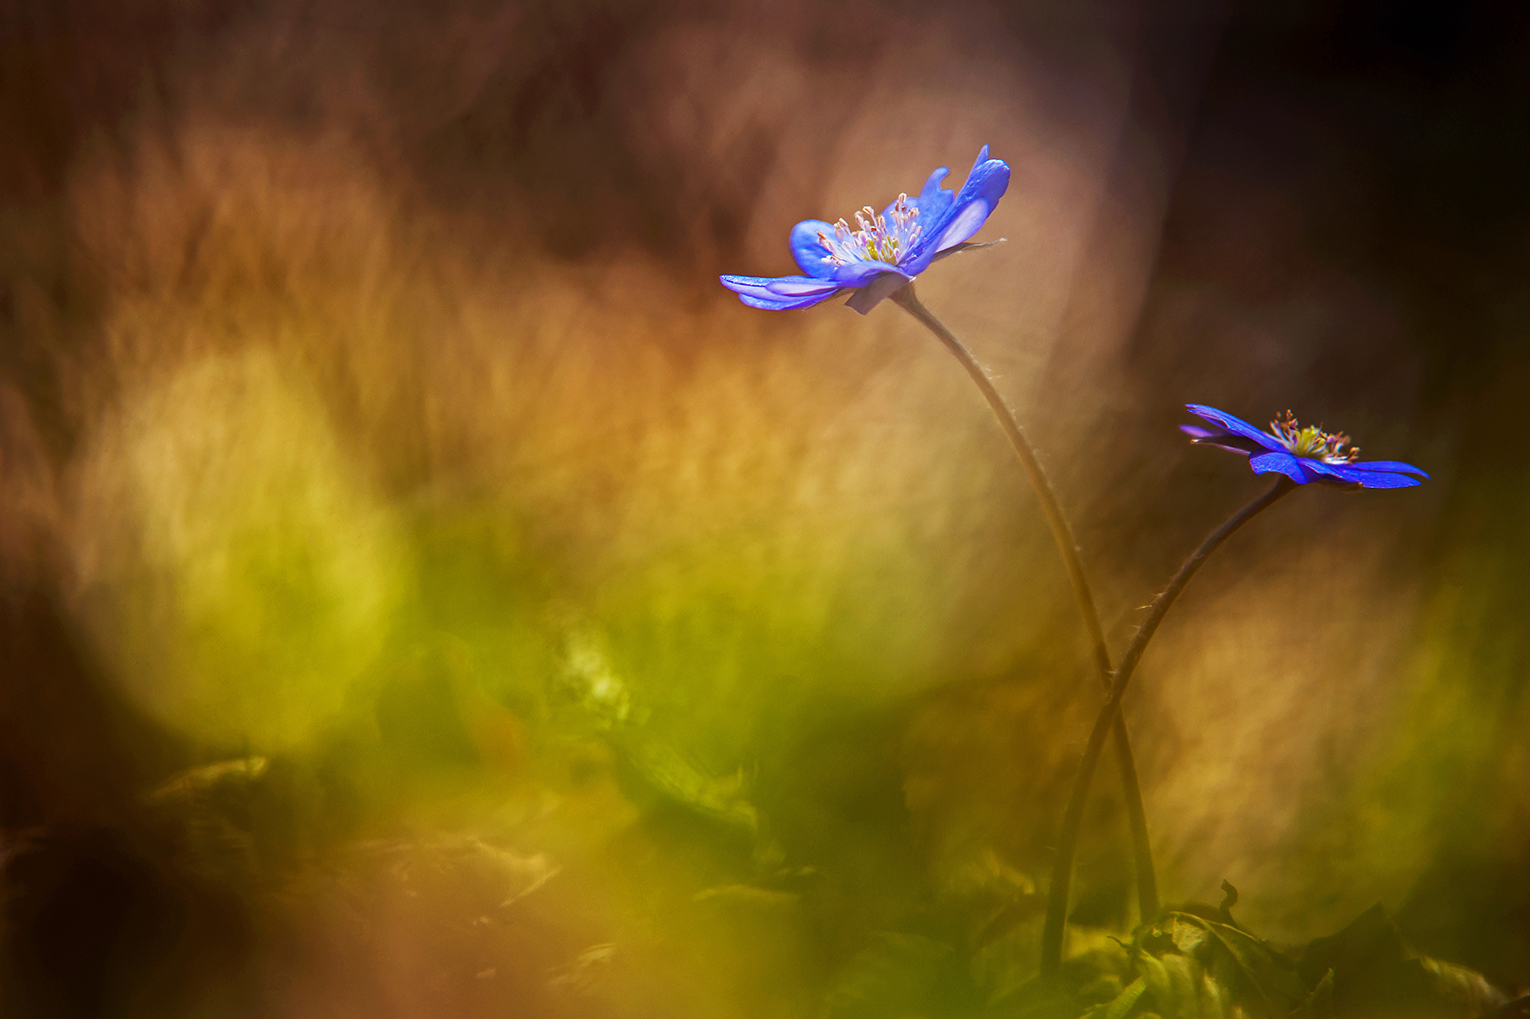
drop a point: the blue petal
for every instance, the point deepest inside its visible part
(1281, 463)
(808, 250)
(1236, 425)
(963, 224)
(1366, 479)
(1393, 466)
(986, 184)
(966, 213)
(859, 274)
(933, 202)
(784, 303)
(745, 284)
(764, 292)
(1221, 439)
(1381, 479)
(1321, 470)
(801, 286)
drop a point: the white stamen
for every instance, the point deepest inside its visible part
(877, 240)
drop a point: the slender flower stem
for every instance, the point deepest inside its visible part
(1067, 842)
(1147, 883)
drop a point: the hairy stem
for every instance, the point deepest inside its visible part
(1067, 547)
(1067, 842)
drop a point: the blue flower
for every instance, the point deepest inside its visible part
(889, 249)
(1301, 454)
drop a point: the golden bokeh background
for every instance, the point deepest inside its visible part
(427, 592)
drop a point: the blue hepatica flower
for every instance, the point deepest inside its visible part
(889, 249)
(1301, 454)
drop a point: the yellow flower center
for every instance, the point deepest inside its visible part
(1312, 441)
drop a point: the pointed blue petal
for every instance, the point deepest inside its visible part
(1327, 471)
(784, 303)
(1281, 463)
(745, 284)
(1349, 474)
(778, 286)
(1237, 426)
(963, 216)
(1394, 466)
(800, 286)
(1381, 479)
(757, 292)
(986, 184)
(963, 224)
(1221, 439)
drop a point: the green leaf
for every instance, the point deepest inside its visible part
(1267, 979)
(1373, 971)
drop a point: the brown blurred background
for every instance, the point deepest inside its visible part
(426, 591)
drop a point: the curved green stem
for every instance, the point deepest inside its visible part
(1147, 883)
(1067, 842)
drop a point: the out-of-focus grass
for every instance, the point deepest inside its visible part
(528, 576)
(245, 579)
